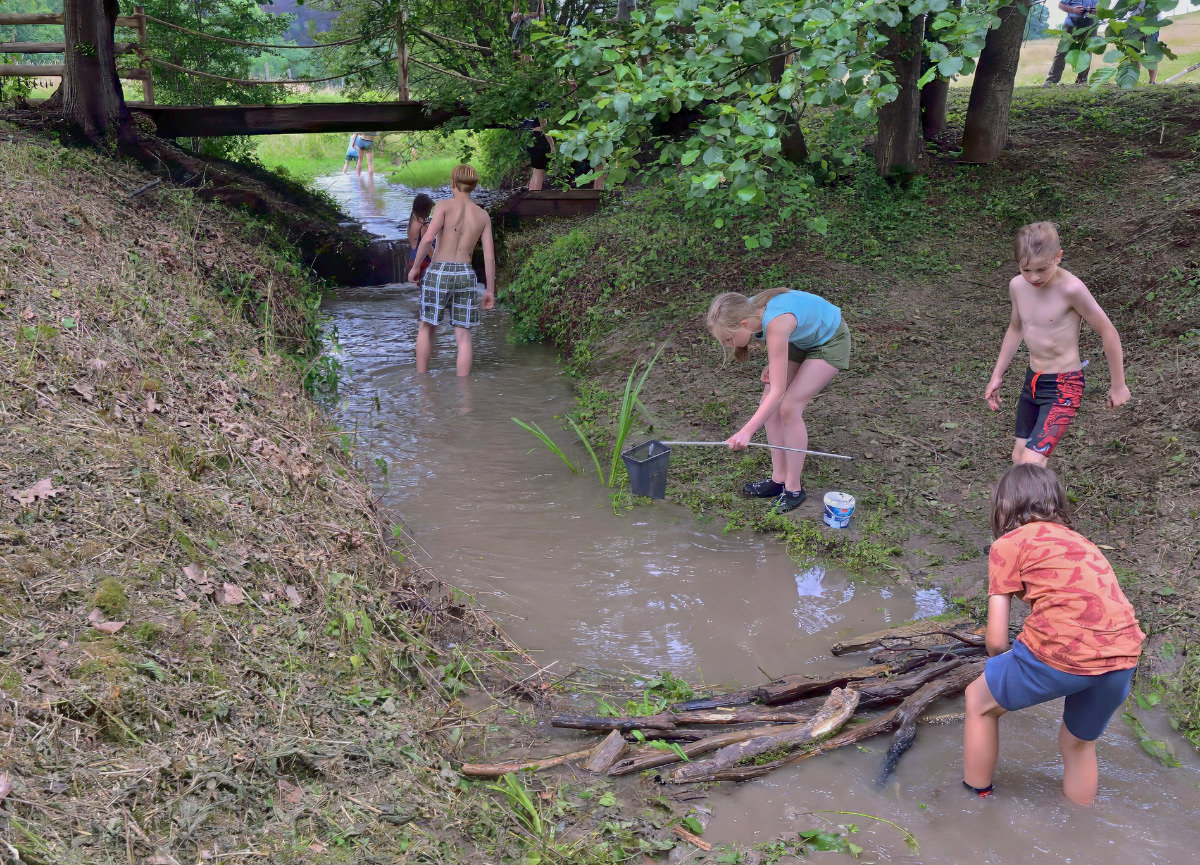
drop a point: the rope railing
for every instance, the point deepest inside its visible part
(228, 41)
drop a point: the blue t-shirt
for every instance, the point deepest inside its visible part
(816, 318)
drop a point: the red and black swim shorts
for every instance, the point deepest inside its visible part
(1047, 406)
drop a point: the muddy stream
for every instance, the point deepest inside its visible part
(652, 589)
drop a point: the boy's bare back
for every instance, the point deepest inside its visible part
(463, 223)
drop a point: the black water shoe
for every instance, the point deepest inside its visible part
(788, 501)
(764, 489)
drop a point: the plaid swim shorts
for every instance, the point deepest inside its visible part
(450, 284)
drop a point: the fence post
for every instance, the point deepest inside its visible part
(402, 53)
(139, 12)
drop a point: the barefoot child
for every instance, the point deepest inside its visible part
(1080, 640)
(807, 343)
(1048, 304)
(458, 225)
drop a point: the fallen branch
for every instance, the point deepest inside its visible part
(609, 752)
(497, 770)
(836, 710)
(669, 721)
(952, 683)
(694, 840)
(784, 690)
(650, 758)
(911, 631)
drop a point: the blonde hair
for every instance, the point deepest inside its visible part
(1037, 238)
(464, 178)
(727, 312)
(1028, 493)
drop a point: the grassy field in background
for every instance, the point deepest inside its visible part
(1182, 36)
(425, 173)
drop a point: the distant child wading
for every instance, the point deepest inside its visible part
(807, 344)
(449, 284)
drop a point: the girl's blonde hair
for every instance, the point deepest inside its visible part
(1037, 238)
(1028, 493)
(727, 312)
(464, 178)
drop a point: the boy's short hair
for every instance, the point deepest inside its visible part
(1028, 493)
(464, 177)
(1037, 238)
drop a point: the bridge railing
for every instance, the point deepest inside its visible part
(136, 22)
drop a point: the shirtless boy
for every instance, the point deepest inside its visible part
(458, 224)
(1048, 304)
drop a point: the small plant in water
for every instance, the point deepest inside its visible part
(630, 402)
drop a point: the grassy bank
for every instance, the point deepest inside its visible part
(214, 646)
(920, 274)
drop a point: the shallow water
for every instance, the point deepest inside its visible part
(651, 589)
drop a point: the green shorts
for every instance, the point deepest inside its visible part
(835, 351)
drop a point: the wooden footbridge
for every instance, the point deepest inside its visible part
(199, 121)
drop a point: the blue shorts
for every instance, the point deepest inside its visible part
(1017, 679)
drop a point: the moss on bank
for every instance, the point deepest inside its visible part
(920, 273)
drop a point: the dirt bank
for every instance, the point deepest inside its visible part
(920, 274)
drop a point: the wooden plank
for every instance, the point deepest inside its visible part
(177, 121)
(32, 70)
(551, 202)
(19, 18)
(54, 47)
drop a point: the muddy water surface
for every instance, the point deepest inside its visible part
(654, 590)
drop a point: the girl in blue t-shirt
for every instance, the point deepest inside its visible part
(807, 343)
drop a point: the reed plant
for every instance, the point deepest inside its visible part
(630, 403)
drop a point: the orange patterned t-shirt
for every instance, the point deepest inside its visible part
(1081, 621)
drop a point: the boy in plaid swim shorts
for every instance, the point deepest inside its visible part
(458, 225)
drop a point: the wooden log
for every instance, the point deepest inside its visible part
(836, 710)
(954, 682)
(694, 840)
(55, 47)
(896, 690)
(649, 758)
(785, 690)
(609, 752)
(909, 631)
(669, 721)
(496, 770)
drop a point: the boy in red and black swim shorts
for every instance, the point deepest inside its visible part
(1046, 408)
(1048, 306)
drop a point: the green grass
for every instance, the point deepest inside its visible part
(425, 173)
(303, 157)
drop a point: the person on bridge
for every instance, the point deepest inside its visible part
(450, 283)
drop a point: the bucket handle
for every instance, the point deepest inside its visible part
(760, 445)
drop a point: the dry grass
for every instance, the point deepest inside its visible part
(279, 685)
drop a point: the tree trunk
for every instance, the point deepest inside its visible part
(899, 150)
(795, 149)
(625, 8)
(92, 98)
(933, 108)
(986, 130)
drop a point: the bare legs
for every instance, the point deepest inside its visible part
(786, 427)
(537, 179)
(425, 336)
(1022, 454)
(981, 748)
(981, 734)
(426, 333)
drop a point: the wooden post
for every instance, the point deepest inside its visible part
(139, 12)
(402, 54)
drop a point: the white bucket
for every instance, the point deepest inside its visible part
(838, 508)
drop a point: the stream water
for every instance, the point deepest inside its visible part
(651, 589)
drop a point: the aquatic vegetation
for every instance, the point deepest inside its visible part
(630, 402)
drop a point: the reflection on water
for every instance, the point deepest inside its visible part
(382, 207)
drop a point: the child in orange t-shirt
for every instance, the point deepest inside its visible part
(1081, 639)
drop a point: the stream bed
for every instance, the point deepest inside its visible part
(652, 589)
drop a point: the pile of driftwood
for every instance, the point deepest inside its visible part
(788, 719)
